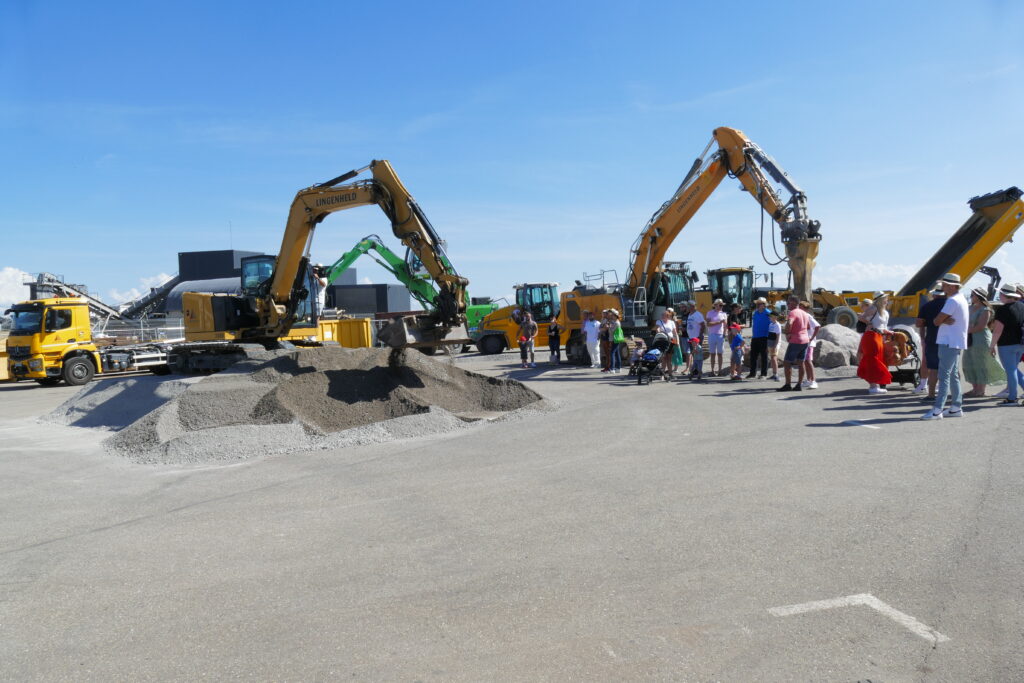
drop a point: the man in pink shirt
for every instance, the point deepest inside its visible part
(797, 334)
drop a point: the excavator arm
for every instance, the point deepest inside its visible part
(276, 310)
(736, 156)
(421, 289)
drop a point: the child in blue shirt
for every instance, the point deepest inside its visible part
(737, 347)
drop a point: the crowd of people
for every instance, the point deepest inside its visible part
(959, 336)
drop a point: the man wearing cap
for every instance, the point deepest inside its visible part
(1006, 338)
(759, 322)
(951, 340)
(927, 331)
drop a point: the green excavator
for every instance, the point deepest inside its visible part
(411, 273)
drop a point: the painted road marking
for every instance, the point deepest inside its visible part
(904, 620)
(858, 423)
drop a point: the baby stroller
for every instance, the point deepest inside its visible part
(650, 363)
(902, 355)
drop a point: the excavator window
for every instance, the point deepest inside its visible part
(304, 314)
(255, 271)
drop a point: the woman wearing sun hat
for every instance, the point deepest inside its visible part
(872, 368)
(980, 368)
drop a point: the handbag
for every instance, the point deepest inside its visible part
(618, 336)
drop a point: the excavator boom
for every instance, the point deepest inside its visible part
(736, 156)
(408, 223)
(271, 305)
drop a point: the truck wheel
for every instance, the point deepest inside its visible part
(492, 344)
(49, 381)
(842, 315)
(77, 371)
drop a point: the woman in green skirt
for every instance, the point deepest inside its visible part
(980, 368)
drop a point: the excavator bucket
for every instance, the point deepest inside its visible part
(420, 331)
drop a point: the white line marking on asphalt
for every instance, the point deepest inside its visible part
(904, 620)
(858, 423)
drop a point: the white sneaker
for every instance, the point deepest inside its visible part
(949, 412)
(931, 415)
(805, 384)
(919, 388)
(1003, 394)
(812, 385)
(877, 390)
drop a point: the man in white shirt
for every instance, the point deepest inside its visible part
(951, 340)
(695, 323)
(591, 329)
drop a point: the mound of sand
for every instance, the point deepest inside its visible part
(300, 400)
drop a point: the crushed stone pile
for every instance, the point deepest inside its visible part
(299, 400)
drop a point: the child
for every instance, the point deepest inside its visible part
(774, 333)
(639, 348)
(738, 348)
(696, 359)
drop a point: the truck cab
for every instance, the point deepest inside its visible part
(51, 340)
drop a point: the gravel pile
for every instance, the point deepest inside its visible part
(300, 400)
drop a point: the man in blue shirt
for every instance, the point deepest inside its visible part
(759, 338)
(928, 332)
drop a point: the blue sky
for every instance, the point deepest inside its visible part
(538, 137)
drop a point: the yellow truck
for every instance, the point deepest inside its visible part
(51, 341)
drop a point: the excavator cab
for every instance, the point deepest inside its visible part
(541, 299)
(257, 273)
(677, 282)
(256, 270)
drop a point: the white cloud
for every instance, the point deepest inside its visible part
(365, 281)
(119, 296)
(12, 287)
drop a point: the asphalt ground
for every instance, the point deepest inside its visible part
(636, 532)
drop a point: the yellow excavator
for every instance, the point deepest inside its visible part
(276, 291)
(652, 284)
(737, 157)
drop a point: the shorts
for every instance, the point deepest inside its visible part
(809, 356)
(773, 341)
(795, 353)
(931, 356)
(716, 343)
(737, 356)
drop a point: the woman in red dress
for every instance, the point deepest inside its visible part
(872, 368)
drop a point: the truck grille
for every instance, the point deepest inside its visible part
(18, 352)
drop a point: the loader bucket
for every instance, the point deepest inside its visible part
(419, 332)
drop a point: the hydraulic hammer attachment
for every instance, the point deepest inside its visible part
(801, 256)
